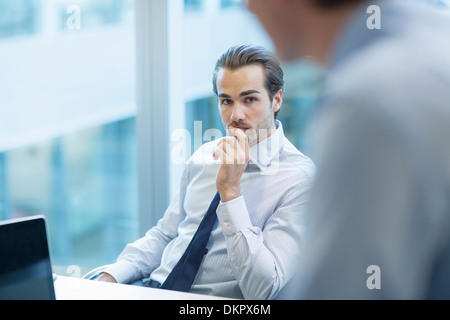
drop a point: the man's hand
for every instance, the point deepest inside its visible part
(106, 278)
(234, 153)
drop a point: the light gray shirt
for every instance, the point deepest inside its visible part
(379, 221)
(254, 248)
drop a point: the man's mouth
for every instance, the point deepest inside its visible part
(239, 127)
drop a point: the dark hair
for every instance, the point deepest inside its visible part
(244, 55)
(329, 4)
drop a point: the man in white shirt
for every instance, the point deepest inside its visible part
(263, 182)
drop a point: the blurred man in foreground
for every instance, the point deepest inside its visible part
(379, 219)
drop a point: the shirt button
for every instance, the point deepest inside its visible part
(226, 225)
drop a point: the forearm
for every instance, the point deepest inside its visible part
(138, 259)
(253, 265)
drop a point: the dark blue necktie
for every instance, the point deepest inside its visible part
(184, 272)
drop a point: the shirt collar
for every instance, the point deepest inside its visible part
(264, 152)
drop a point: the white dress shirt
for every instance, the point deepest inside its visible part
(254, 246)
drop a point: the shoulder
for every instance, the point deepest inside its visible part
(300, 166)
(395, 69)
(392, 81)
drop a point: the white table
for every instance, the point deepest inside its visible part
(79, 289)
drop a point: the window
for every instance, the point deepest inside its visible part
(18, 18)
(67, 124)
(95, 13)
(230, 3)
(193, 5)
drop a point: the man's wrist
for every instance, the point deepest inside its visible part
(106, 277)
(228, 194)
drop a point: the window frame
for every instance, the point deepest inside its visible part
(159, 93)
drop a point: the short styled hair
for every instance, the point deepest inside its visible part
(244, 55)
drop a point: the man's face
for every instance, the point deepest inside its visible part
(244, 102)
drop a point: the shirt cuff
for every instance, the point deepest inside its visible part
(233, 216)
(122, 271)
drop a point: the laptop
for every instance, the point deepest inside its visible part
(25, 264)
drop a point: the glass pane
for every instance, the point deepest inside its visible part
(303, 82)
(193, 5)
(67, 124)
(230, 3)
(202, 115)
(19, 17)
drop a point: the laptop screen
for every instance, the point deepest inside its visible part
(25, 266)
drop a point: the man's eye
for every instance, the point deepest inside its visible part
(250, 100)
(226, 102)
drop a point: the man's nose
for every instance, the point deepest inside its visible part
(238, 114)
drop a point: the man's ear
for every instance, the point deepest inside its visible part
(277, 101)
